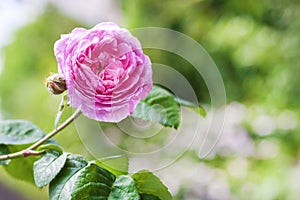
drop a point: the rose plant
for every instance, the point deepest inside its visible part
(105, 69)
(106, 77)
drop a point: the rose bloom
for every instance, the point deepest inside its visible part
(105, 70)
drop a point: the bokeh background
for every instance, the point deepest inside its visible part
(255, 45)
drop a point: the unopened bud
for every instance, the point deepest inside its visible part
(56, 84)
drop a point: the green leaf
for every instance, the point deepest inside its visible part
(59, 186)
(48, 166)
(19, 132)
(148, 183)
(4, 150)
(81, 180)
(50, 146)
(21, 168)
(159, 106)
(118, 165)
(148, 197)
(195, 107)
(93, 182)
(124, 188)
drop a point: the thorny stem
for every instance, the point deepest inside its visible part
(30, 150)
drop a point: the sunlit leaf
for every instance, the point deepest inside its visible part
(118, 165)
(124, 188)
(48, 166)
(159, 106)
(195, 107)
(148, 183)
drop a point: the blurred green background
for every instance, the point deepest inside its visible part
(255, 45)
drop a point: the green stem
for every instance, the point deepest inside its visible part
(30, 150)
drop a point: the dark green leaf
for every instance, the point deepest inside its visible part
(148, 197)
(81, 180)
(124, 188)
(19, 132)
(148, 183)
(195, 107)
(4, 150)
(118, 165)
(159, 106)
(60, 185)
(21, 168)
(48, 166)
(93, 182)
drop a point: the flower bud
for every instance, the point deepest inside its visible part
(56, 84)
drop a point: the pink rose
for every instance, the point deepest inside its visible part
(105, 69)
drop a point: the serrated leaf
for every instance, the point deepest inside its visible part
(81, 180)
(124, 188)
(118, 165)
(4, 150)
(16, 132)
(195, 107)
(48, 166)
(148, 183)
(159, 106)
(21, 168)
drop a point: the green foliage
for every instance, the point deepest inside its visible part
(124, 188)
(148, 197)
(19, 132)
(159, 106)
(18, 135)
(72, 177)
(60, 188)
(91, 182)
(256, 48)
(48, 166)
(147, 183)
(118, 165)
(255, 45)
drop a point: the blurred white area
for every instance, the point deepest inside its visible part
(234, 139)
(13, 15)
(199, 180)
